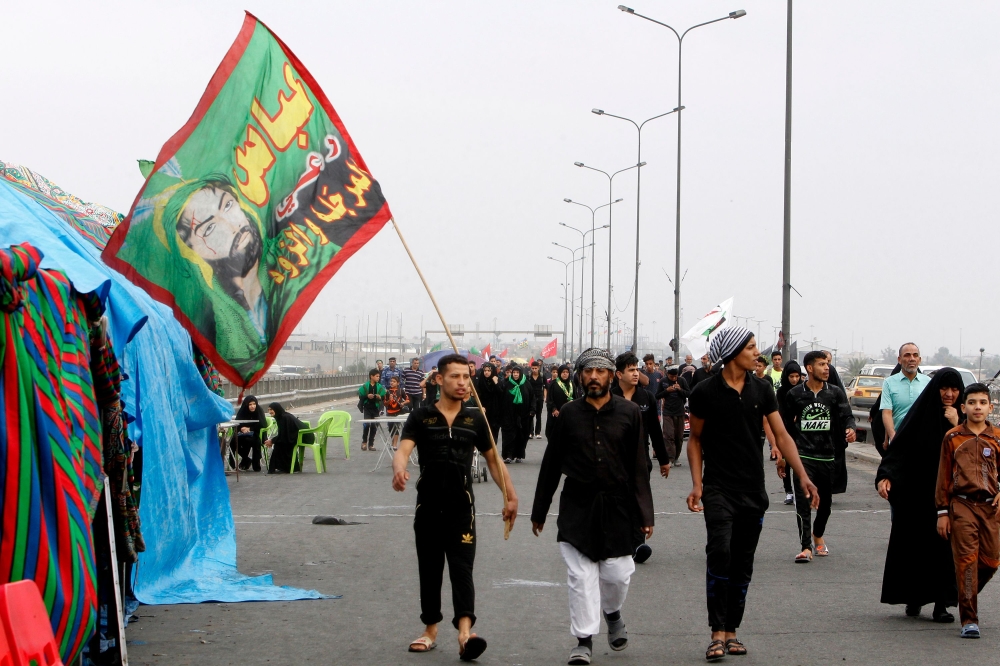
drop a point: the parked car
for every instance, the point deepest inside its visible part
(876, 370)
(864, 390)
(967, 376)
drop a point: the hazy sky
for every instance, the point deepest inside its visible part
(471, 114)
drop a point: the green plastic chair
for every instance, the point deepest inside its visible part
(318, 447)
(338, 424)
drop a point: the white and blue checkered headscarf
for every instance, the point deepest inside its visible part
(595, 357)
(728, 343)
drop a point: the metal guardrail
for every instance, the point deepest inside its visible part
(296, 385)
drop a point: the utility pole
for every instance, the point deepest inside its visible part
(786, 257)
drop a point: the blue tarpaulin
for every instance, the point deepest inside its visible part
(187, 520)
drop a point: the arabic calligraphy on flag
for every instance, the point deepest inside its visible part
(250, 208)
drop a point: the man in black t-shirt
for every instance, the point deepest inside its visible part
(446, 436)
(728, 411)
(538, 383)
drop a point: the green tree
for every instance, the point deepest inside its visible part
(945, 357)
(855, 365)
(890, 354)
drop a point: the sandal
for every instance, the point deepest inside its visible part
(822, 551)
(426, 644)
(735, 648)
(715, 651)
(474, 648)
(803, 558)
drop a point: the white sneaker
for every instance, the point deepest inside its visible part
(789, 498)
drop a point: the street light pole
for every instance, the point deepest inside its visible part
(565, 284)
(611, 178)
(677, 232)
(786, 246)
(593, 212)
(581, 249)
(638, 190)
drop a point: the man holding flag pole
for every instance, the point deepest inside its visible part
(245, 215)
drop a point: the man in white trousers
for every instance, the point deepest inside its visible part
(598, 444)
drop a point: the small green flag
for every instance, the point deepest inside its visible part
(437, 347)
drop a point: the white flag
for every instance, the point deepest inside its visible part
(696, 339)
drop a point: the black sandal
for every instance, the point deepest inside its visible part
(715, 651)
(735, 648)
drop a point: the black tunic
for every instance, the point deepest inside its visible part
(840, 453)
(652, 432)
(606, 495)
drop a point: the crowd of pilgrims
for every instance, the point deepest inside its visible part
(920, 565)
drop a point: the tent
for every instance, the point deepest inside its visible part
(186, 517)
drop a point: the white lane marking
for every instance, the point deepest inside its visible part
(517, 582)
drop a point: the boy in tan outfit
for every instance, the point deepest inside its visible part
(967, 498)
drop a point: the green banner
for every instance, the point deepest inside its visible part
(250, 208)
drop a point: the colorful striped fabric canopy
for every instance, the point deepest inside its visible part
(50, 457)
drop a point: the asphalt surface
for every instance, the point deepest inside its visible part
(819, 613)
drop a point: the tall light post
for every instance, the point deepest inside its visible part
(638, 190)
(593, 212)
(583, 263)
(677, 232)
(566, 265)
(611, 178)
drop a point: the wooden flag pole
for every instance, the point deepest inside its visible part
(475, 394)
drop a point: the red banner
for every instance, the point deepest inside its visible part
(551, 349)
(487, 351)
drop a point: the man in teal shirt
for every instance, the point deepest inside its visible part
(899, 391)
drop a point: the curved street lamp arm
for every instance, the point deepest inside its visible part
(581, 164)
(634, 166)
(659, 116)
(701, 24)
(658, 23)
(580, 204)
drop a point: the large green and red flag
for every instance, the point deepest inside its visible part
(250, 208)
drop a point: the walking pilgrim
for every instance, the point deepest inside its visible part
(598, 444)
(445, 435)
(907, 478)
(728, 410)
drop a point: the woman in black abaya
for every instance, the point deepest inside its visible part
(488, 387)
(283, 444)
(561, 390)
(516, 405)
(248, 434)
(919, 569)
(839, 483)
(791, 376)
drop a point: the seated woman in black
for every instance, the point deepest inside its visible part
(283, 444)
(248, 434)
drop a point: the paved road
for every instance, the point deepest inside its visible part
(823, 612)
